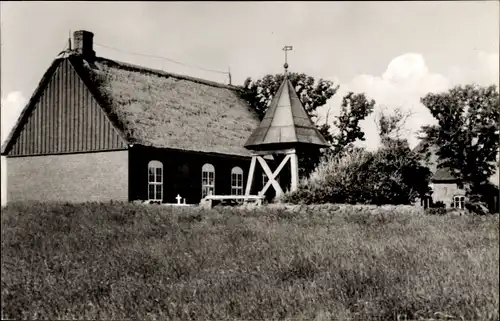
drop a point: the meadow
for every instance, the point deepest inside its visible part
(336, 262)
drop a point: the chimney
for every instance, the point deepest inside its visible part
(83, 43)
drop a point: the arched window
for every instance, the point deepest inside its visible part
(155, 181)
(459, 202)
(207, 180)
(236, 181)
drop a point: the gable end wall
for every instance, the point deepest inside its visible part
(444, 192)
(66, 118)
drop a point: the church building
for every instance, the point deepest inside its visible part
(96, 129)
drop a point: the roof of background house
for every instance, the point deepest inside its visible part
(438, 174)
(444, 174)
(165, 110)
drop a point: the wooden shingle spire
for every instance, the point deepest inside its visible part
(285, 123)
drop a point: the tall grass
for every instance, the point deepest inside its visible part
(126, 261)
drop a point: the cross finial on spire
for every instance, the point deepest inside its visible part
(286, 49)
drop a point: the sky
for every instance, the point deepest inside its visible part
(394, 52)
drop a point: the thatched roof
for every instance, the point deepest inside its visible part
(165, 110)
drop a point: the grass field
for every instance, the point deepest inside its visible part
(126, 261)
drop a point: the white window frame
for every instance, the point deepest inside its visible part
(459, 201)
(207, 180)
(236, 181)
(155, 182)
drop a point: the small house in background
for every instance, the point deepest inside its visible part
(98, 130)
(449, 190)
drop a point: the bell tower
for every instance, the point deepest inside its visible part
(285, 128)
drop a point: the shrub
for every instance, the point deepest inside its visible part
(438, 204)
(476, 205)
(391, 175)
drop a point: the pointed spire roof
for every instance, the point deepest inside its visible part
(285, 123)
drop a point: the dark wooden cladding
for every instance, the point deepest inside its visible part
(66, 119)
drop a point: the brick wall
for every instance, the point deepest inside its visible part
(100, 176)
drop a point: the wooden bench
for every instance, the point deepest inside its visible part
(208, 201)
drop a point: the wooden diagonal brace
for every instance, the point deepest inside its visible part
(294, 164)
(272, 176)
(250, 176)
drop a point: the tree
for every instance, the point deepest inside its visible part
(395, 153)
(391, 125)
(354, 108)
(467, 133)
(313, 94)
(396, 174)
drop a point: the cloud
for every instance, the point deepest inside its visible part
(11, 106)
(482, 68)
(406, 79)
